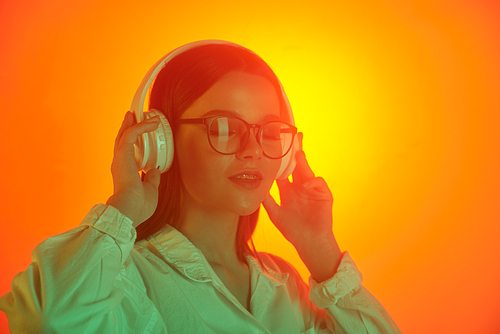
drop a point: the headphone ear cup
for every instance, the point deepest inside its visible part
(288, 162)
(158, 150)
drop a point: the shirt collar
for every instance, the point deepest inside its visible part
(180, 253)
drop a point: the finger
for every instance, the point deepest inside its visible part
(271, 206)
(124, 167)
(302, 172)
(318, 186)
(282, 183)
(153, 178)
(317, 183)
(131, 134)
(284, 187)
(127, 123)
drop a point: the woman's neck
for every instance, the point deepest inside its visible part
(211, 230)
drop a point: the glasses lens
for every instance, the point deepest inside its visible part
(225, 134)
(276, 139)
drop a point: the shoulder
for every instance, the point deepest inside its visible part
(277, 264)
(284, 272)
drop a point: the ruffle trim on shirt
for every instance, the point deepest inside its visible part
(181, 253)
(275, 277)
(346, 279)
(109, 220)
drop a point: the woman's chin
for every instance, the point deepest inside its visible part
(247, 209)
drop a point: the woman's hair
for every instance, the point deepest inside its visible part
(183, 80)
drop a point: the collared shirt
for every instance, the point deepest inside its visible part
(94, 279)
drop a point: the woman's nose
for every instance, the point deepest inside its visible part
(251, 148)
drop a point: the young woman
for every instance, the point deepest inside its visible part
(169, 252)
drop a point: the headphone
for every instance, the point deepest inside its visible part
(156, 149)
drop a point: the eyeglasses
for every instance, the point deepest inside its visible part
(229, 135)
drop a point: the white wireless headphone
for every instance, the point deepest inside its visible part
(156, 149)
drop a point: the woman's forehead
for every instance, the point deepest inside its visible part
(240, 94)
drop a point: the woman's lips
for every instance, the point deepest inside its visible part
(247, 180)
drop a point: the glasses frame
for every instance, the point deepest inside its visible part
(208, 121)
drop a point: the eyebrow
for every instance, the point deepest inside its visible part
(231, 113)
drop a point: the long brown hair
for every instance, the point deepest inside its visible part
(182, 81)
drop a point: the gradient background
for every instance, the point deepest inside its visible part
(398, 102)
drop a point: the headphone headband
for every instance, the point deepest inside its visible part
(137, 106)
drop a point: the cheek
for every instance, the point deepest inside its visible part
(199, 164)
(271, 168)
(275, 166)
(203, 173)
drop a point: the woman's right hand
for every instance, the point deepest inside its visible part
(135, 198)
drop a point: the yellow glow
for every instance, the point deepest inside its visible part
(397, 100)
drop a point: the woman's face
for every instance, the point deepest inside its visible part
(238, 182)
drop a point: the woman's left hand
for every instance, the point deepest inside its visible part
(305, 214)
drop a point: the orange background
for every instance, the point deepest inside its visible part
(398, 102)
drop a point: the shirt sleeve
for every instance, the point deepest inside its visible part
(73, 282)
(348, 304)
